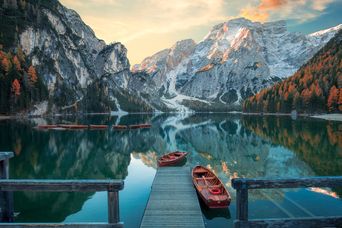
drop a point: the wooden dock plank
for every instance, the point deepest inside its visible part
(173, 200)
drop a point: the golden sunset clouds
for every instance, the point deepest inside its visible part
(147, 26)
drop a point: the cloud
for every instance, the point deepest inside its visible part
(144, 26)
(141, 17)
(321, 4)
(301, 10)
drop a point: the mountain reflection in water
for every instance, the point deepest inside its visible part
(231, 145)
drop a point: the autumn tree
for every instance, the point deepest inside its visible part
(332, 99)
(16, 63)
(16, 87)
(32, 74)
(340, 99)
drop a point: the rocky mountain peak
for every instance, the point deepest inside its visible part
(238, 57)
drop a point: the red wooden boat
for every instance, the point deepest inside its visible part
(92, 126)
(120, 127)
(134, 126)
(210, 188)
(145, 125)
(47, 126)
(73, 126)
(139, 126)
(171, 158)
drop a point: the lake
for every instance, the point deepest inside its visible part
(231, 145)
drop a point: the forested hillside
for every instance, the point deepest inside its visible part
(316, 87)
(20, 85)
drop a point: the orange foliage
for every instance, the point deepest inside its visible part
(16, 87)
(318, 90)
(32, 74)
(17, 63)
(332, 99)
(339, 102)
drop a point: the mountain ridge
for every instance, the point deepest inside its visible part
(273, 54)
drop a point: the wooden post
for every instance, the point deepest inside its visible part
(242, 204)
(113, 207)
(7, 214)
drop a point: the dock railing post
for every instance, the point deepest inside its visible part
(113, 207)
(241, 202)
(6, 208)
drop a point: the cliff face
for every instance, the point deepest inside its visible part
(235, 60)
(80, 71)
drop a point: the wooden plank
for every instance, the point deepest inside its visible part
(6, 155)
(173, 200)
(289, 223)
(61, 185)
(62, 225)
(328, 181)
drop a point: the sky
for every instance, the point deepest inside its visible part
(148, 26)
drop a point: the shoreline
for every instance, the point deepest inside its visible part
(330, 117)
(5, 117)
(325, 116)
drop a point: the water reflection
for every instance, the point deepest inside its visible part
(232, 146)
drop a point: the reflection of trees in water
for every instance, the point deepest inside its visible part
(66, 155)
(318, 143)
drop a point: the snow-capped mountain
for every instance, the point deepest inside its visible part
(234, 60)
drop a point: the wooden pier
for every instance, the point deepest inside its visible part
(8, 186)
(173, 200)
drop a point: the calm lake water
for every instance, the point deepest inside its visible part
(231, 145)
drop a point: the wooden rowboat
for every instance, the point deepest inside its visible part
(172, 158)
(73, 126)
(47, 126)
(120, 127)
(145, 125)
(139, 126)
(134, 126)
(210, 188)
(92, 126)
